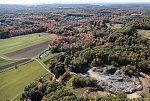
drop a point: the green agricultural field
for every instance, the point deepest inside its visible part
(12, 82)
(5, 62)
(144, 33)
(9, 63)
(19, 42)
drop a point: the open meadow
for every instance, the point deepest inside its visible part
(144, 33)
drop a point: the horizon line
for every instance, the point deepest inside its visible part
(74, 3)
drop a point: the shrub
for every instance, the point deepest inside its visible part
(40, 79)
(58, 69)
(129, 70)
(77, 65)
(65, 77)
(62, 95)
(50, 78)
(80, 81)
(52, 86)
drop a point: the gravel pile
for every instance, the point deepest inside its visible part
(112, 79)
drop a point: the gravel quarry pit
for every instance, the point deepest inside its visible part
(112, 79)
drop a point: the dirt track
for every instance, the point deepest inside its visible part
(29, 51)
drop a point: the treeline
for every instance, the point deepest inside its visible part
(139, 23)
(21, 31)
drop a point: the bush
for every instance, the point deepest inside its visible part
(144, 66)
(129, 70)
(65, 77)
(50, 78)
(77, 65)
(40, 79)
(90, 82)
(62, 95)
(120, 95)
(35, 95)
(52, 86)
(32, 92)
(59, 69)
(97, 62)
(80, 81)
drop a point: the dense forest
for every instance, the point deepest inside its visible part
(88, 36)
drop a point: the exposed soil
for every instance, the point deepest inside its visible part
(141, 84)
(112, 79)
(145, 79)
(29, 51)
(133, 95)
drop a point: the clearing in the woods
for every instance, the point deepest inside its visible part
(144, 33)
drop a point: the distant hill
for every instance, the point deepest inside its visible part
(88, 5)
(42, 6)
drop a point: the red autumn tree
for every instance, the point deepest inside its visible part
(50, 78)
